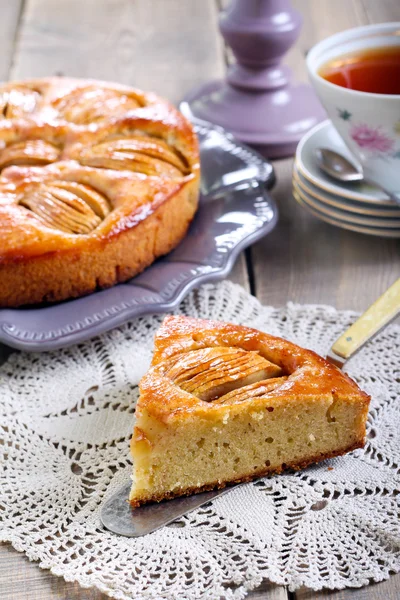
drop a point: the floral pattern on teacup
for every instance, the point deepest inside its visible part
(374, 140)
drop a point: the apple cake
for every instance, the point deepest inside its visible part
(223, 403)
(97, 180)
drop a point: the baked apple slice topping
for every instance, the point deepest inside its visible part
(212, 373)
(67, 206)
(140, 153)
(18, 102)
(93, 104)
(29, 152)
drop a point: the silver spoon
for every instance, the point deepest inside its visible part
(338, 167)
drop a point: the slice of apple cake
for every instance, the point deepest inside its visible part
(223, 403)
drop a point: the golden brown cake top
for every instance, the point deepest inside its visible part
(82, 160)
(207, 366)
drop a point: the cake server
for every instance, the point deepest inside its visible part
(116, 513)
(376, 317)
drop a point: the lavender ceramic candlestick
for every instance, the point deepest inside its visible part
(257, 102)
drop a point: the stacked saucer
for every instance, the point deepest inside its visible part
(355, 206)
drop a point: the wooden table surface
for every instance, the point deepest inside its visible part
(170, 46)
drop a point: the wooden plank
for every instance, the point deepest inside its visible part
(304, 259)
(239, 273)
(381, 12)
(10, 16)
(322, 18)
(21, 579)
(166, 47)
(386, 590)
(268, 591)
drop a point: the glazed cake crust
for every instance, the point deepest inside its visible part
(296, 407)
(307, 373)
(97, 181)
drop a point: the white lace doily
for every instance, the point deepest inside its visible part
(66, 422)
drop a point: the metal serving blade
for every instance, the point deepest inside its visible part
(118, 516)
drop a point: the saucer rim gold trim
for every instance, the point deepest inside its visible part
(375, 232)
(344, 218)
(353, 209)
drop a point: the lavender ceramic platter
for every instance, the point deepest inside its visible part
(235, 211)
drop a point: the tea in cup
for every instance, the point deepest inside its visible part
(356, 75)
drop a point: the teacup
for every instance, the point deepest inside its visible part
(369, 123)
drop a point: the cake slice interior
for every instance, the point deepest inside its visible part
(223, 403)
